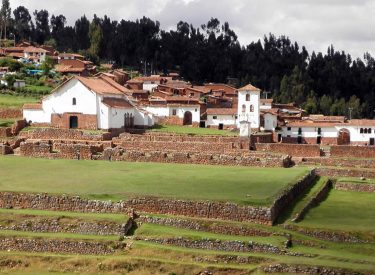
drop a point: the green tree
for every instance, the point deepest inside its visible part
(22, 23)
(47, 65)
(96, 37)
(311, 104)
(354, 107)
(325, 105)
(5, 13)
(338, 108)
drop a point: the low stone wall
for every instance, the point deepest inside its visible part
(261, 138)
(229, 159)
(320, 196)
(288, 269)
(213, 227)
(336, 162)
(5, 132)
(178, 146)
(289, 195)
(200, 209)
(349, 173)
(56, 246)
(5, 149)
(236, 142)
(332, 236)
(357, 187)
(59, 151)
(53, 225)
(218, 245)
(61, 134)
(11, 113)
(353, 151)
(295, 150)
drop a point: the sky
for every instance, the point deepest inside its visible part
(347, 24)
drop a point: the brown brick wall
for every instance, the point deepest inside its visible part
(324, 140)
(5, 132)
(88, 122)
(295, 150)
(353, 151)
(11, 113)
(63, 134)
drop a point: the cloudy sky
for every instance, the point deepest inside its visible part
(347, 24)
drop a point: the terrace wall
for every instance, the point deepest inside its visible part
(350, 173)
(357, 187)
(5, 132)
(353, 151)
(337, 162)
(295, 150)
(229, 159)
(10, 113)
(61, 134)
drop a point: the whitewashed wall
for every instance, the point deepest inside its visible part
(221, 119)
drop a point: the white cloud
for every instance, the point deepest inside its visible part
(347, 24)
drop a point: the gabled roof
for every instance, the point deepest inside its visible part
(32, 106)
(117, 103)
(32, 49)
(102, 85)
(249, 87)
(221, 111)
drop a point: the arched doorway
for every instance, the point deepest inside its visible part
(188, 118)
(344, 137)
(73, 122)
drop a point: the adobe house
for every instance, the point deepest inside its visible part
(88, 103)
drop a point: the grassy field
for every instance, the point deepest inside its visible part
(343, 210)
(121, 180)
(6, 122)
(192, 130)
(12, 101)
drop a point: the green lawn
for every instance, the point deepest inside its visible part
(6, 122)
(192, 130)
(38, 90)
(121, 180)
(343, 210)
(13, 101)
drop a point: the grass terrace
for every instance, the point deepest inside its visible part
(188, 130)
(122, 180)
(356, 180)
(14, 101)
(344, 210)
(6, 122)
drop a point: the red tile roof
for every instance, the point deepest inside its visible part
(249, 87)
(32, 106)
(221, 111)
(117, 103)
(102, 85)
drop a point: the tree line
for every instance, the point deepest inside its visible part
(331, 83)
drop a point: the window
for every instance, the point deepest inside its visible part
(319, 131)
(196, 110)
(174, 112)
(299, 131)
(365, 131)
(247, 97)
(369, 130)
(191, 94)
(289, 129)
(74, 101)
(244, 108)
(361, 131)
(214, 117)
(251, 108)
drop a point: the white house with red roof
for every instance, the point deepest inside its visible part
(88, 103)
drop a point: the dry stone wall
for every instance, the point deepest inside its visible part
(61, 134)
(349, 173)
(357, 187)
(11, 113)
(54, 225)
(295, 150)
(56, 246)
(336, 162)
(230, 159)
(353, 151)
